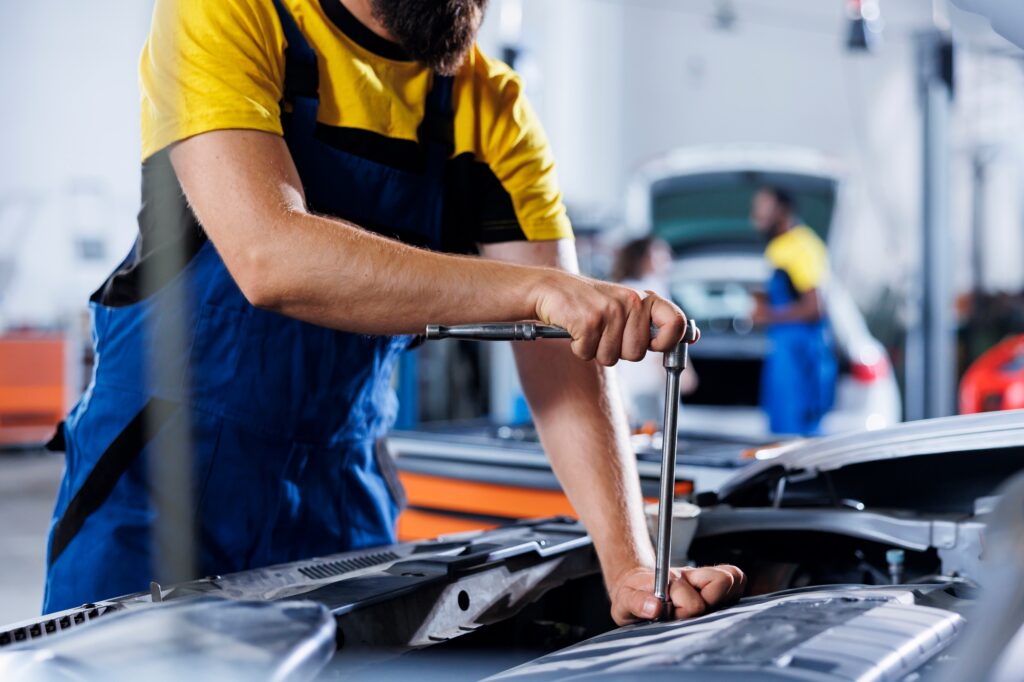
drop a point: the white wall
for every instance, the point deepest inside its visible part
(627, 80)
(70, 149)
(615, 81)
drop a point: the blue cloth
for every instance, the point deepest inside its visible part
(799, 375)
(284, 415)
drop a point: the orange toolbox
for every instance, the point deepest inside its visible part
(33, 386)
(472, 475)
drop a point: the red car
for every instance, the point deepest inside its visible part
(996, 380)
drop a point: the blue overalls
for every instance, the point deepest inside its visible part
(284, 415)
(799, 375)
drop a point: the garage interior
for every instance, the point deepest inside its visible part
(890, 133)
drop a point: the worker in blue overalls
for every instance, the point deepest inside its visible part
(313, 172)
(799, 375)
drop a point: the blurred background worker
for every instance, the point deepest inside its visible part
(643, 264)
(799, 377)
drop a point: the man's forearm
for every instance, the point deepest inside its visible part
(806, 309)
(246, 193)
(324, 270)
(582, 426)
(334, 274)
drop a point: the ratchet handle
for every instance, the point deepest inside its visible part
(498, 331)
(522, 331)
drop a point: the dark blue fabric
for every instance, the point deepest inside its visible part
(799, 375)
(284, 414)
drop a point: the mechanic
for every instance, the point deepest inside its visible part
(312, 171)
(799, 375)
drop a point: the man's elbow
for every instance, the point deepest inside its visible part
(253, 271)
(260, 295)
(257, 255)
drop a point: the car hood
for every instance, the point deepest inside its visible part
(212, 639)
(931, 437)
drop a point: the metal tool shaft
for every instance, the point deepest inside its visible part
(501, 331)
(675, 363)
(519, 331)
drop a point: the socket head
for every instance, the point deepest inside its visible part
(691, 332)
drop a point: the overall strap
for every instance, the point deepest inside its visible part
(301, 75)
(437, 131)
(108, 470)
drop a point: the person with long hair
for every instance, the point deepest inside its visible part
(643, 264)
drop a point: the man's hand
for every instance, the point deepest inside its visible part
(693, 592)
(608, 321)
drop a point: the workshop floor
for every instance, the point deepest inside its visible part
(28, 485)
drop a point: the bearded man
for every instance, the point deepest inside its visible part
(315, 176)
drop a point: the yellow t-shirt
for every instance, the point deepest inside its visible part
(802, 255)
(219, 64)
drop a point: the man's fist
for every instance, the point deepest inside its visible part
(609, 322)
(692, 591)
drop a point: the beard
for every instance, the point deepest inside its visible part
(438, 33)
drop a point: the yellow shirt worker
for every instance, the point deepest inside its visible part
(314, 172)
(798, 379)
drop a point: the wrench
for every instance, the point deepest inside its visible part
(674, 361)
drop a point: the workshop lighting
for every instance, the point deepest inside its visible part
(865, 25)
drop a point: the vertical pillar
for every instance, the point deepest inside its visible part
(931, 341)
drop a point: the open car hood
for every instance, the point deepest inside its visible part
(700, 196)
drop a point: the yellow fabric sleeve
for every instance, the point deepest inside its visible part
(802, 255)
(219, 64)
(517, 151)
(210, 65)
